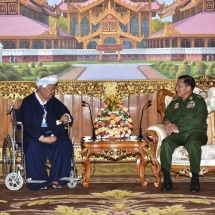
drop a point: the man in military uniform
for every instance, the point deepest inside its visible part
(185, 122)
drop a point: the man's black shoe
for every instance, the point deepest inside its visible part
(167, 186)
(195, 186)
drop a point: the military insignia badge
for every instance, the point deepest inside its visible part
(176, 106)
(191, 104)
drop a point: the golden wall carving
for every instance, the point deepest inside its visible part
(20, 89)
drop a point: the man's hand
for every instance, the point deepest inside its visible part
(48, 140)
(170, 127)
(64, 119)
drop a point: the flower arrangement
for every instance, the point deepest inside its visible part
(113, 120)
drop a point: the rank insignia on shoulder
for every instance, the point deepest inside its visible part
(191, 104)
(176, 105)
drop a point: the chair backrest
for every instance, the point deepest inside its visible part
(205, 86)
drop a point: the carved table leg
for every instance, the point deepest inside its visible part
(86, 174)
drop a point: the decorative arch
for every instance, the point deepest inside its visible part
(127, 45)
(9, 44)
(134, 26)
(211, 43)
(123, 27)
(24, 44)
(110, 40)
(37, 44)
(145, 27)
(92, 45)
(199, 43)
(74, 27)
(85, 27)
(175, 43)
(167, 44)
(95, 27)
(185, 43)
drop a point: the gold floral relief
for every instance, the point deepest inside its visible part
(20, 89)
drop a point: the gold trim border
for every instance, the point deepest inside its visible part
(124, 88)
(20, 89)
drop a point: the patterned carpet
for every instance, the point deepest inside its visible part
(117, 194)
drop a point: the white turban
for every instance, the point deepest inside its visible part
(53, 79)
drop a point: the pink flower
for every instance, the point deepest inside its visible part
(112, 116)
(122, 123)
(121, 106)
(102, 124)
(105, 106)
(130, 125)
(99, 113)
(96, 125)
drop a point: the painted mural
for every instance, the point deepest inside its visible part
(106, 40)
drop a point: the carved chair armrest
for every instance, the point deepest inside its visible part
(155, 134)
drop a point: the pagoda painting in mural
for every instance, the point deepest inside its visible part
(192, 26)
(95, 22)
(25, 25)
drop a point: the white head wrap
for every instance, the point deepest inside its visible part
(53, 79)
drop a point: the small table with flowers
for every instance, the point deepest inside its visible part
(115, 150)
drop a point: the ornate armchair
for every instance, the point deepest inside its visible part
(205, 86)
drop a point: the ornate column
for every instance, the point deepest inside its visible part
(31, 44)
(139, 24)
(90, 18)
(17, 43)
(1, 51)
(44, 42)
(68, 23)
(52, 41)
(206, 42)
(129, 23)
(192, 43)
(18, 7)
(150, 23)
(79, 24)
(178, 42)
(170, 42)
(159, 41)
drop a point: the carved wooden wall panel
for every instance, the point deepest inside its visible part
(82, 123)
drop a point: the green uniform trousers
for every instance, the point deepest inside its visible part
(192, 142)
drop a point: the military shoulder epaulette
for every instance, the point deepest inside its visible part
(199, 97)
(175, 98)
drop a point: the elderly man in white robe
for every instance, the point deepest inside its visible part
(43, 117)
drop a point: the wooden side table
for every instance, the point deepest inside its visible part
(115, 150)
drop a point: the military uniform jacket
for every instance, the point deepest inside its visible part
(189, 115)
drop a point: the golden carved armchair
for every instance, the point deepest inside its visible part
(205, 86)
